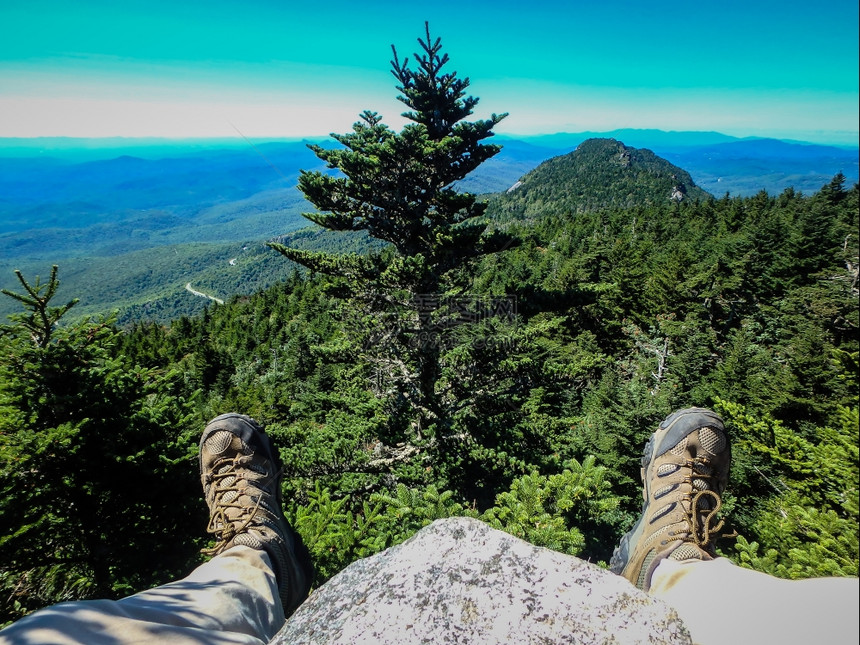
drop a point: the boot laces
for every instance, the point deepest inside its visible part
(702, 508)
(225, 478)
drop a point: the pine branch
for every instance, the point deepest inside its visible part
(41, 319)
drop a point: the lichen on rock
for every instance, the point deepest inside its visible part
(461, 581)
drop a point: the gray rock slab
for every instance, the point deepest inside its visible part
(460, 581)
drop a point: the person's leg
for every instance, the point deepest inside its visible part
(720, 602)
(670, 551)
(260, 573)
(233, 598)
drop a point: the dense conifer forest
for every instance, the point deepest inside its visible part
(507, 364)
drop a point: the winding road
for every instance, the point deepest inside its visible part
(203, 295)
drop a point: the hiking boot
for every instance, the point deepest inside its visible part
(685, 468)
(241, 474)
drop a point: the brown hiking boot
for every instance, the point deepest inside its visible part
(241, 475)
(685, 468)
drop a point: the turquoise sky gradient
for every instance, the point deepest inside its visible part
(90, 68)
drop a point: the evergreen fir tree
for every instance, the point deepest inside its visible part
(91, 446)
(399, 188)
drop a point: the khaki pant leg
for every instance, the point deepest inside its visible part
(232, 599)
(722, 603)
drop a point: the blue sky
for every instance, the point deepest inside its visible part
(272, 69)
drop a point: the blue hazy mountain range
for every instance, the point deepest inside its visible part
(67, 197)
(105, 204)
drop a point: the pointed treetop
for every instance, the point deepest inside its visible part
(41, 317)
(437, 100)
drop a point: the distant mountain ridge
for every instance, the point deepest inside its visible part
(718, 163)
(746, 167)
(51, 205)
(637, 138)
(131, 223)
(599, 174)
